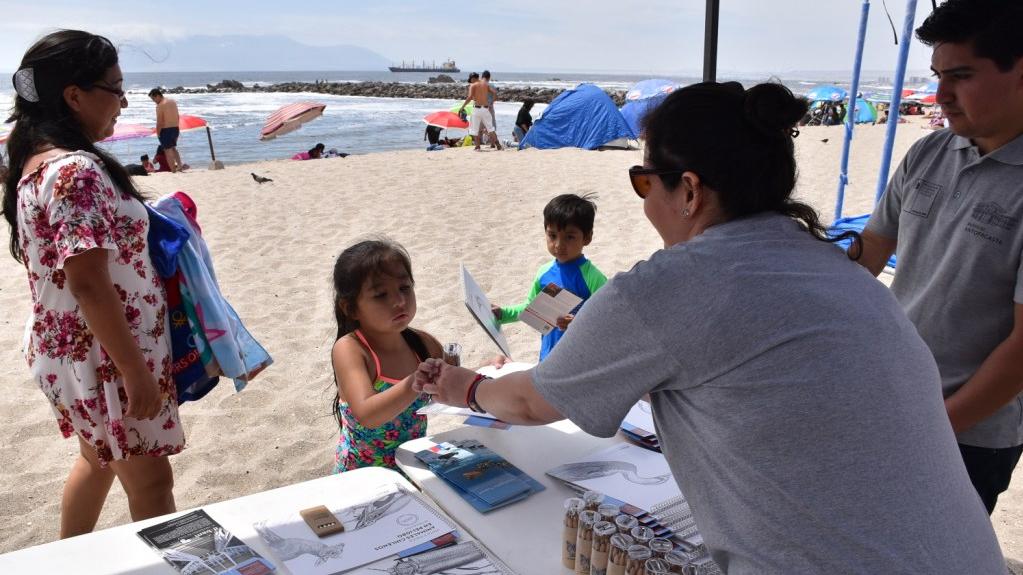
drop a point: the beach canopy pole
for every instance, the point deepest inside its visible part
(850, 114)
(893, 110)
(214, 164)
(710, 42)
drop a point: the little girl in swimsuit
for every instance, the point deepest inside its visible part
(376, 354)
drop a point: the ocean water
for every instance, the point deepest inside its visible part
(353, 125)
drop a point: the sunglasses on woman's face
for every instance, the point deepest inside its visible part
(640, 178)
(115, 91)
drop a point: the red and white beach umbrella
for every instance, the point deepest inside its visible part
(445, 120)
(186, 123)
(130, 131)
(290, 118)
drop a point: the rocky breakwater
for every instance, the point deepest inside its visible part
(438, 91)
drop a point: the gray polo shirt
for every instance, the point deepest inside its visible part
(806, 428)
(957, 218)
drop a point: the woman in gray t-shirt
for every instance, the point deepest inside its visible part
(800, 412)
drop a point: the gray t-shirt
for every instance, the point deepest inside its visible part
(806, 428)
(957, 218)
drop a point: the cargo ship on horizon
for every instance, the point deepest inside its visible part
(448, 66)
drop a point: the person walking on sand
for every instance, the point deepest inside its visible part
(97, 342)
(167, 127)
(482, 120)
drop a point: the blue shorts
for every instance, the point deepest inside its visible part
(169, 138)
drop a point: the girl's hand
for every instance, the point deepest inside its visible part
(496, 310)
(144, 398)
(498, 361)
(426, 373)
(445, 383)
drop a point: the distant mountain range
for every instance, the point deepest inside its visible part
(227, 53)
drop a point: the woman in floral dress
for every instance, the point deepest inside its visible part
(97, 342)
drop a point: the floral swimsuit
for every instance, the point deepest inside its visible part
(363, 447)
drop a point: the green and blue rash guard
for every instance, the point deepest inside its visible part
(578, 276)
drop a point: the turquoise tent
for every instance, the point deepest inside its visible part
(863, 113)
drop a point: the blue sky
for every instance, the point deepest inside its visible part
(646, 36)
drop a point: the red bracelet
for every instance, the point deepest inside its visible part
(470, 394)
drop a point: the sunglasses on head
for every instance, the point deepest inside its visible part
(640, 178)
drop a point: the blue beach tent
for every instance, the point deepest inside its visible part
(643, 97)
(584, 117)
(636, 110)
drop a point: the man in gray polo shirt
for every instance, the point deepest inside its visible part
(954, 210)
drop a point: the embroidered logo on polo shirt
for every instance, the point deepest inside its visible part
(992, 213)
(989, 219)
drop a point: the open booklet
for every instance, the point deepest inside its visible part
(393, 522)
(551, 303)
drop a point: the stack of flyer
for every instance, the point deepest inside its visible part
(483, 478)
(195, 543)
(639, 481)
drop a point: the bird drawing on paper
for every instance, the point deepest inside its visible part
(594, 469)
(260, 179)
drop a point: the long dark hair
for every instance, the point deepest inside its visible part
(740, 143)
(58, 60)
(357, 264)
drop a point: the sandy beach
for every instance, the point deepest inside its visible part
(274, 246)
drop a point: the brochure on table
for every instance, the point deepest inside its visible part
(467, 558)
(486, 480)
(625, 472)
(390, 523)
(195, 543)
(479, 306)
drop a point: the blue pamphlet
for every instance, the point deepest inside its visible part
(483, 478)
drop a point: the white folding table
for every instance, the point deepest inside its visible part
(119, 550)
(527, 534)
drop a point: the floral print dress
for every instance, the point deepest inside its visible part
(364, 447)
(67, 206)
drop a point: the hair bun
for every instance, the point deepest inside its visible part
(773, 109)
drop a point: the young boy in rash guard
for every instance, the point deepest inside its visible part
(568, 225)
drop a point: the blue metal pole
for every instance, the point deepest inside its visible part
(893, 110)
(850, 114)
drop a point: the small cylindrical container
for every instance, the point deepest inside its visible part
(619, 553)
(625, 523)
(602, 532)
(593, 500)
(656, 566)
(660, 547)
(642, 535)
(453, 354)
(635, 560)
(573, 506)
(608, 512)
(584, 541)
(679, 559)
